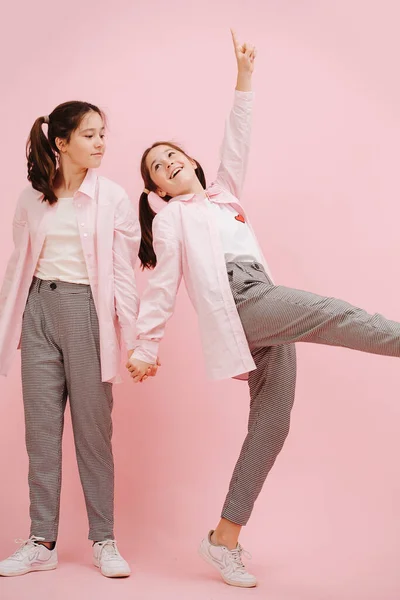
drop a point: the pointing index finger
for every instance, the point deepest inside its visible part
(234, 39)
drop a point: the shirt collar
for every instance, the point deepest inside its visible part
(88, 185)
(213, 190)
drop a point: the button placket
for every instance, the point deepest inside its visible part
(80, 216)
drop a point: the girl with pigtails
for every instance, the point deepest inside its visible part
(248, 324)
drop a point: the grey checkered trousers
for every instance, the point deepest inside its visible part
(273, 318)
(60, 353)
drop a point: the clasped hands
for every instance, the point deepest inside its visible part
(140, 370)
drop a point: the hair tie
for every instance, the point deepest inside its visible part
(46, 119)
(146, 191)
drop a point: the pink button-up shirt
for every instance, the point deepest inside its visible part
(187, 243)
(110, 236)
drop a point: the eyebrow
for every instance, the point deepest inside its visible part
(91, 129)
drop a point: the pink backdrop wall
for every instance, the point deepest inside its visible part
(323, 193)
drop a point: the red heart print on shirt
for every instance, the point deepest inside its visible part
(240, 218)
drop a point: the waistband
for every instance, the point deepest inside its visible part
(245, 265)
(55, 285)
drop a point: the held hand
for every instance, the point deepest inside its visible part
(141, 370)
(245, 54)
(152, 372)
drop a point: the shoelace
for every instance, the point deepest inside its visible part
(25, 545)
(237, 554)
(109, 547)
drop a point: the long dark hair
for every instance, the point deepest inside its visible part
(41, 150)
(147, 255)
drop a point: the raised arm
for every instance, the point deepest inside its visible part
(236, 142)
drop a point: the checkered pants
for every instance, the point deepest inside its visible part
(60, 359)
(273, 318)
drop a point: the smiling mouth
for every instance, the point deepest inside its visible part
(175, 172)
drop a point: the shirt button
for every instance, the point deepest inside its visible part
(83, 224)
(79, 205)
(85, 235)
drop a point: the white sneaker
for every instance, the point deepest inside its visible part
(30, 556)
(109, 560)
(227, 562)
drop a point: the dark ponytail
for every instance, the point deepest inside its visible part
(147, 255)
(42, 162)
(41, 150)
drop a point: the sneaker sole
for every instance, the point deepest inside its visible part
(38, 568)
(232, 583)
(114, 575)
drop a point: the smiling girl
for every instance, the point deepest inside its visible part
(247, 323)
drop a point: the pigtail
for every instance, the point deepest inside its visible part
(42, 162)
(200, 174)
(147, 255)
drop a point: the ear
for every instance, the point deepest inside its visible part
(193, 163)
(161, 193)
(61, 144)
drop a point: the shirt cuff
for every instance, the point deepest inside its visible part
(146, 350)
(240, 95)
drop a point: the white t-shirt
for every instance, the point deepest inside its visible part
(62, 256)
(238, 241)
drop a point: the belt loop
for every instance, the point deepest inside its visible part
(39, 284)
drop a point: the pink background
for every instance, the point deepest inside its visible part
(323, 194)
